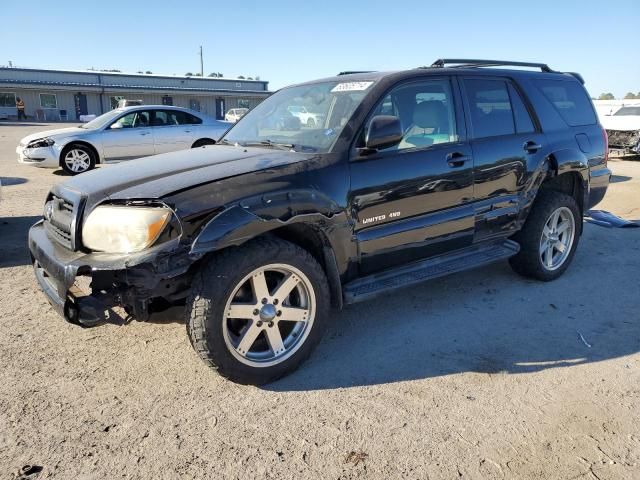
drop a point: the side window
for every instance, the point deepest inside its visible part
(524, 124)
(191, 119)
(426, 113)
(132, 120)
(490, 108)
(161, 118)
(570, 100)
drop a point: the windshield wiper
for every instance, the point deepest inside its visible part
(269, 143)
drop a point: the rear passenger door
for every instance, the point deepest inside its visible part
(170, 131)
(506, 140)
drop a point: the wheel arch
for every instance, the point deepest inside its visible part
(236, 225)
(84, 143)
(203, 139)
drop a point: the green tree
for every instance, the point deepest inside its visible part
(198, 75)
(188, 74)
(241, 77)
(148, 72)
(631, 95)
(213, 74)
(606, 96)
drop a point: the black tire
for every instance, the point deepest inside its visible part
(202, 142)
(81, 148)
(217, 280)
(528, 262)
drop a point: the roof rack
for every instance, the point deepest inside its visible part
(351, 72)
(465, 62)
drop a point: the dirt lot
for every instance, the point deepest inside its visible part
(479, 375)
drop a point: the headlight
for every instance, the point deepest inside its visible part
(123, 229)
(41, 142)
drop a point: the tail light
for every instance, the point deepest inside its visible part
(605, 137)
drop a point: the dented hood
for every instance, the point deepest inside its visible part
(161, 175)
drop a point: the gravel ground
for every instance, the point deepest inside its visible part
(479, 375)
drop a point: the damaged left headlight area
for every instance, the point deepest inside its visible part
(128, 255)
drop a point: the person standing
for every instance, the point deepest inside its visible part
(20, 107)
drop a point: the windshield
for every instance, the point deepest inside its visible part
(102, 120)
(277, 119)
(624, 111)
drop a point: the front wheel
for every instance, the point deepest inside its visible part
(256, 312)
(549, 238)
(78, 159)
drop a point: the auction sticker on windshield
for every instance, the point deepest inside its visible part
(351, 87)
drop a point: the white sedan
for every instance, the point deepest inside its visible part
(121, 134)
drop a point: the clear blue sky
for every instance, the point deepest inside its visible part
(291, 41)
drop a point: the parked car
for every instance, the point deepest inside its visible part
(623, 130)
(121, 134)
(259, 236)
(306, 117)
(235, 114)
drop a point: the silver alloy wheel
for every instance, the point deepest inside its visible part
(269, 315)
(557, 238)
(77, 160)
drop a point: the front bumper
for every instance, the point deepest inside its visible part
(46, 157)
(85, 287)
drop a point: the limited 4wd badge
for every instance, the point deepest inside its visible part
(379, 218)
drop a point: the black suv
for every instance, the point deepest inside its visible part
(401, 177)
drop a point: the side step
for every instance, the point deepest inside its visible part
(405, 275)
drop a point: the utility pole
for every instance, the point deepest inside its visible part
(201, 63)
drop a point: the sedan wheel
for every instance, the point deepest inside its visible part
(77, 160)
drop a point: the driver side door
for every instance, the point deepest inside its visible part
(130, 136)
(414, 200)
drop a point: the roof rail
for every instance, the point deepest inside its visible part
(465, 62)
(351, 72)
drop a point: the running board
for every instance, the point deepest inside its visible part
(400, 277)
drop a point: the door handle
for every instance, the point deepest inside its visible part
(531, 146)
(457, 159)
(144, 133)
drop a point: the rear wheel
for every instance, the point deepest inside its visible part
(77, 159)
(257, 312)
(549, 238)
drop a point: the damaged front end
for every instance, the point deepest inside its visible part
(85, 285)
(85, 288)
(624, 142)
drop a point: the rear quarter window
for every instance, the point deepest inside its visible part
(570, 100)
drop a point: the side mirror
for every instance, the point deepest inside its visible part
(384, 131)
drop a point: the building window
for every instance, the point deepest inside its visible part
(114, 99)
(167, 100)
(194, 104)
(7, 100)
(243, 103)
(48, 100)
